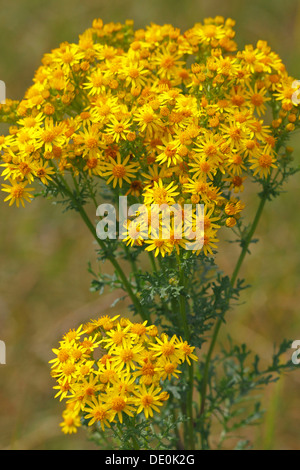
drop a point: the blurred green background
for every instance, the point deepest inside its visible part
(44, 286)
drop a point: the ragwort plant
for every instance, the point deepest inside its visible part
(164, 118)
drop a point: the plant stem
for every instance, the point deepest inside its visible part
(152, 260)
(91, 192)
(182, 301)
(248, 239)
(183, 316)
(135, 443)
(64, 185)
(219, 322)
(116, 265)
(240, 260)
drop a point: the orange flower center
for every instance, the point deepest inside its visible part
(119, 171)
(205, 167)
(118, 404)
(91, 142)
(167, 62)
(48, 136)
(100, 414)
(169, 368)
(160, 195)
(168, 349)
(147, 400)
(18, 192)
(265, 161)
(118, 337)
(148, 117)
(63, 355)
(133, 73)
(126, 355)
(257, 99)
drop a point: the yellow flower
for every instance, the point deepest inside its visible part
(235, 164)
(169, 154)
(167, 62)
(67, 371)
(67, 55)
(18, 192)
(188, 351)
(118, 128)
(210, 32)
(107, 370)
(119, 171)
(43, 172)
(50, 135)
(166, 348)
(159, 246)
(126, 356)
(160, 194)
(250, 58)
(71, 421)
(263, 164)
(19, 170)
(167, 369)
(63, 390)
(258, 99)
(209, 242)
(5, 141)
(147, 372)
(89, 141)
(96, 83)
(64, 354)
(237, 183)
(234, 207)
(83, 391)
(134, 73)
(148, 120)
(119, 404)
(93, 166)
(208, 147)
(97, 412)
(117, 337)
(155, 173)
(135, 232)
(147, 400)
(105, 107)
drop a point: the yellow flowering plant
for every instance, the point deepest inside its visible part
(111, 368)
(178, 123)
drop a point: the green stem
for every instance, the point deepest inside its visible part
(116, 265)
(133, 264)
(248, 239)
(182, 301)
(91, 192)
(190, 406)
(111, 257)
(152, 260)
(135, 443)
(183, 316)
(219, 322)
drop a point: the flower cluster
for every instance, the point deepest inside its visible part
(112, 366)
(164, 116)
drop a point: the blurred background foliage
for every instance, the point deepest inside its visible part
(44, 284)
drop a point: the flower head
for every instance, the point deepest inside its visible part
(127, 379)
